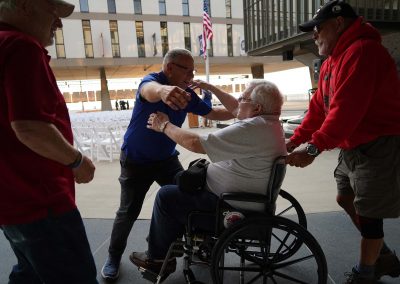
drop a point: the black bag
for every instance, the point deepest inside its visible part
(194, 178)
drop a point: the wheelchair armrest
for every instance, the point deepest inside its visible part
(247, 197)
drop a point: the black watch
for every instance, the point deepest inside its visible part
(312, 150)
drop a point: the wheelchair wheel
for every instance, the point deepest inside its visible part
(252, 251)
(291, 208)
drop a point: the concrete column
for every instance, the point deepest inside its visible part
(257, 70)
(105, 95)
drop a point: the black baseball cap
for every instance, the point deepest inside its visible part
(329, 10)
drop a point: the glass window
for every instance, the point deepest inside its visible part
(228, 9)
(137, 5)
(87, 38)
(59, 41)
(111, 6)
(140, 39)
(114, 39)
(163, 8)
(185, 7)
(186, 29)
(164, 37)
(84, 6)
(229, 39)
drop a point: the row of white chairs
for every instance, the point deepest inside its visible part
(99, 135)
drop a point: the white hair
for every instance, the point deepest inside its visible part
(174, 53)
(267, 95)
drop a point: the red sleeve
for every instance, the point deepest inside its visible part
(30, 95)
(353, 90)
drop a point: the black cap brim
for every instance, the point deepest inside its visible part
(309, 26)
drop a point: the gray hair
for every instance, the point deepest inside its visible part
(174, 53)
(267, 95)
(7, 5)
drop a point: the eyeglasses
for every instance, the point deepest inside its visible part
(242, 99)
(188, 70)
(317, 29)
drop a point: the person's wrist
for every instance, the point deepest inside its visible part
(163, 126)
(77, 162)
(312, 150)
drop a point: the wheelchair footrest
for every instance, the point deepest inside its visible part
(150, 275)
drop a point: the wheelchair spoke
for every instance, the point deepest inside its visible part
(288, 263)
(283, 244)
(284, 211)
(287, 277)
(246, 269)
(255, 278)
(268, 250)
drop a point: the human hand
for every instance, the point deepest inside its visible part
(85, 172)
(156, 120)
(290, 146)
(299, 159)
(175, 97)
(200, 84)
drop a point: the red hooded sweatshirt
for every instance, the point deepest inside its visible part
(358, 96)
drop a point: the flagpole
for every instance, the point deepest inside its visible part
(207, 63)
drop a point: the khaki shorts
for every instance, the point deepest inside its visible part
(371, 172)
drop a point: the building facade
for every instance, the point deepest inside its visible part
(129, 37)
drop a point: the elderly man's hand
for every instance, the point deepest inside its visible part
(175, 97)
(156, 121)
(299, 159)
(85, 172)
(290, 146)
(200, 84)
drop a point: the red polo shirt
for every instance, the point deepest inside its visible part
(30, 185)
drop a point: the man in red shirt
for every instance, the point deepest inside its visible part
(39, 164)
(356, 108)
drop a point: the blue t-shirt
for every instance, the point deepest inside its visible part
(143, 145)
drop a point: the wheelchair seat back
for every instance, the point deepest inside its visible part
(278, 173)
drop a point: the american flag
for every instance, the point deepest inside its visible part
(207, 27)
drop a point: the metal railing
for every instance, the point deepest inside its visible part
(267, 22)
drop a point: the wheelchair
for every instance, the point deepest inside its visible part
(251, 246)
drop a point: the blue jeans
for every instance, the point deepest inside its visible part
(170, 213)
(135, 180)
(54, 250)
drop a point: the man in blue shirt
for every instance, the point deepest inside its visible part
(149, 156)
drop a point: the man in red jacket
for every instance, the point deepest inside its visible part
(356, 108)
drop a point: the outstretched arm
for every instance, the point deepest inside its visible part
(160, 122)
(230, 103)
(175, 97)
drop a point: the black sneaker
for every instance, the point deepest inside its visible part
(110, 270)
(387, 264)
(354, 277)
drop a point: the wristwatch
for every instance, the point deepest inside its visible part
(312, 150)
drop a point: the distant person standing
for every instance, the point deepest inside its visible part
(356, 108)
(116, 104)
(127, 104)
(122, 104)
(148, 156)
(38, 163)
